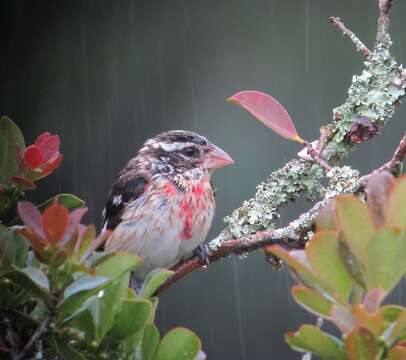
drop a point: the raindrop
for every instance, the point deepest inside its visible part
(237, 296)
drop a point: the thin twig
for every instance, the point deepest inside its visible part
(10, 335)
(283, 236)
(37, 335)
(45, 326)
(315, 155)
(359, 45)
(383, 21)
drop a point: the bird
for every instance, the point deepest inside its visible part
(161, 204)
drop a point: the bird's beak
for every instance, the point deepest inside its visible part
(216, 158)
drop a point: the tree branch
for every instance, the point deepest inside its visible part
(290, 236)
(371, 102)
(359, 45)
(37, 335)
(43, 328)
(383, 21)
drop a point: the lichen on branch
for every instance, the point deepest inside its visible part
(372, 98)
(371, 101)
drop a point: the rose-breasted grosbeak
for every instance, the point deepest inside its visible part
(162, 203)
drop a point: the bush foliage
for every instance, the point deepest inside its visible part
(351, 264)
(59, 298)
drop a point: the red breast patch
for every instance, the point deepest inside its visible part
(187, 214)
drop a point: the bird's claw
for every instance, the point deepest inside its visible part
(202, 252)
(135, 282)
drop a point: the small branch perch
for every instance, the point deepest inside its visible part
(359, 45)
(283, 236)
(383, 21)
(37, 335)
(372, 97)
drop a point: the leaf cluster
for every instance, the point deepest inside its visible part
(59, 297)
(348, 268)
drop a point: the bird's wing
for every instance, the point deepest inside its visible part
(124, 190)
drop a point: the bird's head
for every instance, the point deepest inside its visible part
(182, 152)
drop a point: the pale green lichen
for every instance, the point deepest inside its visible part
(282, 186)
(373, 94)
(343, 180)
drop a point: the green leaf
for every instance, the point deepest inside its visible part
(77, 293)
(324, 258)
(150, 342)
(117, 265)
(11, 140)
(390, 312)
(82, 319)
(178, 344)
(312, 301)
(68, 352)
(397, 353)
(134, 315)
(13, 249)
(96, 316)
(396, 211)
(385, 259)
(153, 281)
(297, 259)
(351, 263)
(310, 338)
(84, 283)
(69, 201)
(355, 224)
(398, 327)
(361, 344)
(32, 280)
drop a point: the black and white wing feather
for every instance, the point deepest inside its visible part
(128, 187)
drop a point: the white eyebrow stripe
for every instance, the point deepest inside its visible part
(168, 147)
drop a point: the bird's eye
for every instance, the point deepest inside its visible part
(190, 151)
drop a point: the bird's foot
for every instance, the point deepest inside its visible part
(202, 252)
(135, 282)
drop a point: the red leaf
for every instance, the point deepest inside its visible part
(373, 299)
(74, 220)
(377, 191)
(33, 157)
(86, 236)
(41, 137)
(49, 146)
(96, 244)
(269, 111)
(36, 242)
(325, 219)
(55, 221)
(31, 217)
(343, 319)
(23, 183)
(51, 166)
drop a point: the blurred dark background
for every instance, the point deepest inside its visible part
(107, 75)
